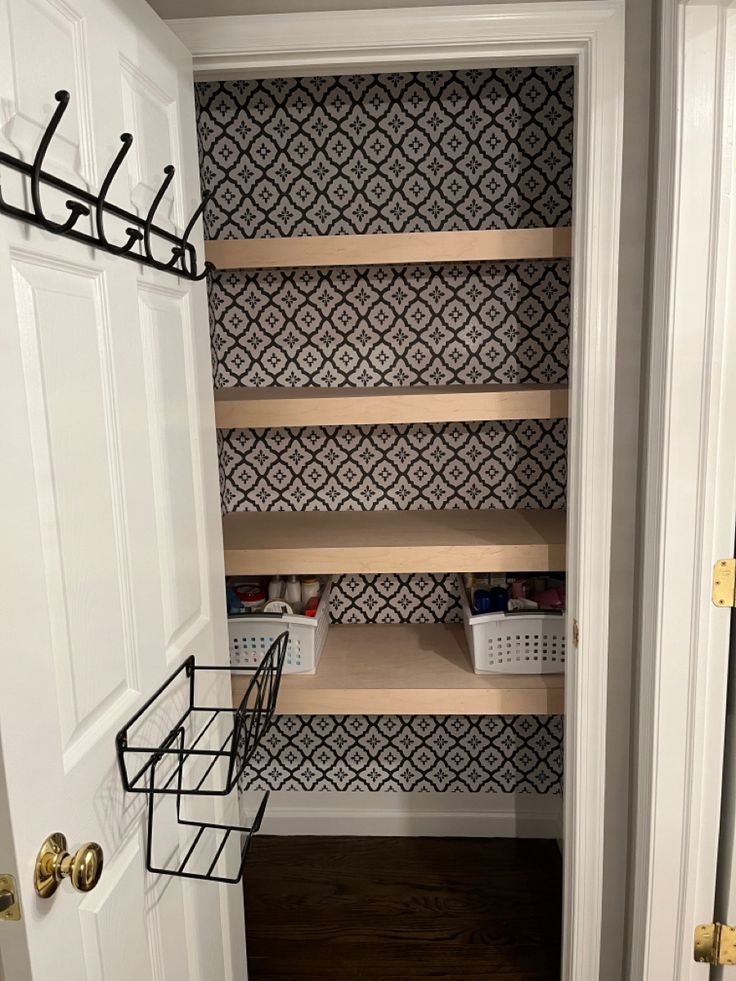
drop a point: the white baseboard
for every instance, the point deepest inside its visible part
(416, 814)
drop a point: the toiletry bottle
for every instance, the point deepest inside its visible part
(481, 582)
(310, 589)
(275, 587)
(293, 594)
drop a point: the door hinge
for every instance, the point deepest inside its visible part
(9, 905)
(715, 944)
(576, 633)
(724, 582)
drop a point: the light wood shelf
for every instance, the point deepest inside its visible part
(400, 541)
(408, 669)
(366, 250)
(261, 408)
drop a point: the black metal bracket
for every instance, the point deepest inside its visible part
(141, 232)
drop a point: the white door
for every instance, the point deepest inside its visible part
(111, 549)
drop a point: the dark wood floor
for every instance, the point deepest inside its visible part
(334, 909)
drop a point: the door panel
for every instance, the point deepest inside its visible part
(166, 333)
(150, 112)
(56, 33)
(112, 562)
(102, 912)
(64, 324)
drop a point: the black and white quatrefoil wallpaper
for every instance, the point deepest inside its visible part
(398, 152)
(394, 468)
(424, 597)
(465, 324)
(495, 753)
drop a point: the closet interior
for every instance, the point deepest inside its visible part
(389, 318)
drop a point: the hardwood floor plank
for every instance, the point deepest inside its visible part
(403, 908)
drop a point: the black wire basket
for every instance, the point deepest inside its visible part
(200, 849)
(205, 749)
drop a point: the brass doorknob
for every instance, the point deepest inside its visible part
(54, 863)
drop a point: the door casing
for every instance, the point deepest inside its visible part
(590, 36)
(688, 494)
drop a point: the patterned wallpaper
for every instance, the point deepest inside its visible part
(465, 324)
(425, 597)
(403, 467)
(396, 152)
(501, 753)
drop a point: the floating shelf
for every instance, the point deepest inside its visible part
(398, 541)
(409, 669)
(261, 408)
(370, 250)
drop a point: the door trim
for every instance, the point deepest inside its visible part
(689, 494)
(591, 36)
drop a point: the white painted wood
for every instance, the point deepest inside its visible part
(112, 554)
(274, 45)
(412, 813)
(589, 35)
(690, 496)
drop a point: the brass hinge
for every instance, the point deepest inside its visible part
(9, 905)
(724, 582)
(576, 633)
(715, 944)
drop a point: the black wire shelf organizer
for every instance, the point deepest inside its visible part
(143, 237)
(201, 754)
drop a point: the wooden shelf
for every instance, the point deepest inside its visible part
(408, 669)
(369, 250)
(397, 541)
(261, 408)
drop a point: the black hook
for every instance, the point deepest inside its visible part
(133, 234)
(191, 270)
(169, 172)
(208, 267)
(76, 210)
(183, 260)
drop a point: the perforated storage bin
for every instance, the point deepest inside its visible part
(252, 634)
(519, 643)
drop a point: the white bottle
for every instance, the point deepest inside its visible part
(310, 588)
(293, 594)
(275, 587)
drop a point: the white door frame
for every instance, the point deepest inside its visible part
(590, 35)
(689, 494)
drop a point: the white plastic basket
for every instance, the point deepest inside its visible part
(521, 643)
(252, 634)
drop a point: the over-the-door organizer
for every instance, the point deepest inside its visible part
(179, 745)
(139, 238)
(337, 304)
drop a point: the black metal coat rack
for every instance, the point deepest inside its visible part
(141, 232)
